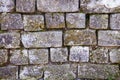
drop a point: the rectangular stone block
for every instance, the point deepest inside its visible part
(11, 21)
(10, 40)
(6, 5)
(80, 37)
(25, 6)
(42, 39)
(79, 54)
(109, 38)
(33, 22)
(97, 71)
(58, 5)
(9, 73)
(100, 6)
(3, 56)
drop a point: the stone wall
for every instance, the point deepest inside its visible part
(59, 39)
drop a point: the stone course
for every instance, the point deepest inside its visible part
(59, 39)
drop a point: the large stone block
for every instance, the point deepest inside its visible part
(11, 21)
(3, 56)
(80, 37)
(6, 5)
(100, 6)
(97, 71)
(10, 40)
(42, 39)
(109, 38)
(58, 5)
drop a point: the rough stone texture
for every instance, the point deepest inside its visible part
(42, 39)
(79, 54)
(80, 37)
(33, 22)
(55, 20)
(99, 55)
(6, 5)
(25, 6)
(38, 56)
(109, 38)
(9, 73)
(3, 56)
(58, 54)
(99, 21)
(19, 57)
(11, 21)
(58, 5)
(100, 6)
(114, 21)
(10, 40)
(31, 72)
(59, 72)
(75, 20)
(97, 71)
(115, 55)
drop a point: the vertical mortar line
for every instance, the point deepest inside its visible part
(65, 21)
(109, 21)
(49, 59)
(68, 48)
(15, 5)
(87, 21)
(45, 27)
(35, 5)
(79, 4)
(77, 73)
(108, 56)
(9, 55)
(19, 72)
(96, 32)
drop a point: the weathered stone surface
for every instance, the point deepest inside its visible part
(25, 6)
(8, 73)
(75, 20)
(33, 22)
(38, 56)
(79, 54)
(114, 21)
(58, 54)
(3, 56)
(109, 38)
(97, 71)
(31, 72)
(99, 55)
(99, 21)
(80, 37)
(59, 72)
(55, 20)
(42, 39)
(10, 40)
(11, 21)
(115, 55)
(100, 6)
(6, 5)
(58, 5)
(19, 57)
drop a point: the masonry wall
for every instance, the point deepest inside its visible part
(59, 40)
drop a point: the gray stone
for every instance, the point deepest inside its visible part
(19, 57)
(99, 21)
(38, 56)
(60, 72)
(75, 20)
(58, 5)
(42, 39)
(11, 21)
(109, 38)
(114, 21)
(25, 6)
(99, 55)
(10, 40)
(115, 55)
(33, 22)
(97, 71)
(79, 54)
(100, 6)
(3, 56)
(9, 73)
(80, 37)
(55, 20)
(58, 54)
(6, 5)
(31, 72)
